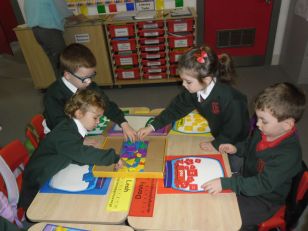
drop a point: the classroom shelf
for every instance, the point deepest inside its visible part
(155, 46)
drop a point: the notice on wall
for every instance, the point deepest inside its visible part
(145, 5)
(82, 38)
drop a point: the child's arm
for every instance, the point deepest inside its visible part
(119, 165)
(227, 148)
(212, 186)
(128, 132)
(143, 132)
(207, 146)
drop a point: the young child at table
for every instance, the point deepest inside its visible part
(64, 144)
(78, 65)
(272, 156)
(207, 81)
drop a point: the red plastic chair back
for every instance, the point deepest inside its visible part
(303, 187)
(35, 130)
(16, 156)
(278, 220)
(36, 122)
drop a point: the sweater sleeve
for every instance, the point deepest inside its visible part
(277, 170)
(179, 107)
(235, 123)
(73, 148)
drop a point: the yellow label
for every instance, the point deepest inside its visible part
(121, 194)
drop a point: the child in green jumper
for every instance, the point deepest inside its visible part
(64, 145)
(272, 156)
(78, 65)
(207, 80)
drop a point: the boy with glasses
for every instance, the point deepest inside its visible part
(78, 66)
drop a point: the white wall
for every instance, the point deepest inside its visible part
(285, 5)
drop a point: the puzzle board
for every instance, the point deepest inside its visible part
(186, 174)
(150, 166)
(192, 124)
(137, 122)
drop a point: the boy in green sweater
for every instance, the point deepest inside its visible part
(64, 145)
(272, 156)
(78, 65)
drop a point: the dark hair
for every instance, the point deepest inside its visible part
(81, 100)
(283, 100)
(202, 62)
(75, 56)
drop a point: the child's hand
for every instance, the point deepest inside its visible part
(212, 186)
(143, 132)
(128, 132)
(119, 165)
(227, 148)
(207, 146)
(92, 142)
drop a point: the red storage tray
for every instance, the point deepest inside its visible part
(154, 69)
(131, 73)
(181, 41)
(123, 45)
(180, 25)
(126, 59)
(156, 55)
(151, 41)
(155, 76)
(153, 48)
(150, 24)
(149, 63)
(175, 55)
(126, 30)
(151, 33)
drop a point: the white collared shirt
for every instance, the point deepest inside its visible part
(81, 129)
(69, 85)
(204, 93)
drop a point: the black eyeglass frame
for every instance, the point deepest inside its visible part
(83, 79)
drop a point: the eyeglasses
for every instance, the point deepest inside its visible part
(85, 79)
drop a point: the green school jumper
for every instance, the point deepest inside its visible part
(225, 109)
(268, 171)
(58, 94)
(61, 147)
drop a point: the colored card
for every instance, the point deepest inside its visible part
(186, 174)
(192, 124)
(51, 227)
(143, 198)
(120, 194)
(70, 185)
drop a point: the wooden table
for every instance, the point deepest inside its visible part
(171, 212)
(40, 226)
(191, 211)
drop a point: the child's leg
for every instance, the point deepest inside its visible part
(254, 211)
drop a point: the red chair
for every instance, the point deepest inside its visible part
(16, 157)
(35, 130)
(278, 220)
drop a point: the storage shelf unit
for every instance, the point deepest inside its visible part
(146, 51)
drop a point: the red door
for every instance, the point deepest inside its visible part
(238, 27)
